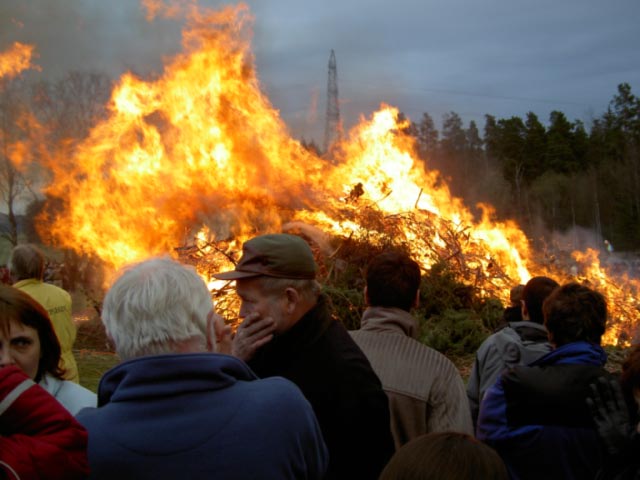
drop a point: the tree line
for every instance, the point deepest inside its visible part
(550, 177)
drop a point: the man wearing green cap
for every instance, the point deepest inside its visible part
(287, 331)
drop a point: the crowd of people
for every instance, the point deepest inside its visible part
(292, 394)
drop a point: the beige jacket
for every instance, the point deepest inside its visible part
(425, 390)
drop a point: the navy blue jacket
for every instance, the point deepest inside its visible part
(197, 416)
(537, 419)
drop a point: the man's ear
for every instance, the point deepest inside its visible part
(366, 296)
(416, 301)
(218, 334)
(292, 298)
(524, 311)
(211, 332)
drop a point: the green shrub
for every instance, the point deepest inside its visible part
(453, 332)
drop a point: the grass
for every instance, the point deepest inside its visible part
(92, 365)
(93, 350)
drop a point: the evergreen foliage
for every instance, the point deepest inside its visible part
(560, 175)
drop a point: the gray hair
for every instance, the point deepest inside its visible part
(155, 304)
(27, 261)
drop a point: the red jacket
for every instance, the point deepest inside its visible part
(38, 437)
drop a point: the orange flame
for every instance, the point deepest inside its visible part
(199, 142)
(202, 146)
(16, 59)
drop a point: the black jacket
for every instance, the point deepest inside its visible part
(319, 356)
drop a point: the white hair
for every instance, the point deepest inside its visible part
(155, 304)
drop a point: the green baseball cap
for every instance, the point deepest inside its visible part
(277, 255)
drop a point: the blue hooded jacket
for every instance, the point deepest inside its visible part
(537, 419)
(198, 416)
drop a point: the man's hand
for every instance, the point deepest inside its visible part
(610, 414)
(252, 334)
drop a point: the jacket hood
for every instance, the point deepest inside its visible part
(389, 320)
(576, 352)
(158, 375)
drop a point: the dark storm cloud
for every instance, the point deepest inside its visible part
(494, 57)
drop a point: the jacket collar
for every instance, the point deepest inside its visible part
(575, 352)
(162, 375)
(389, 320)
(51, 384)
(27, 281)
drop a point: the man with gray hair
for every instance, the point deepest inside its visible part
(174, 409)
(288, 330)
(27, 271)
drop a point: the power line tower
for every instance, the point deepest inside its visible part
(332, 129)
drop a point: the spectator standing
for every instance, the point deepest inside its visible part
(27, 265)
(173, 409)
(518, 343)
(536, 416)
(513, 313)
(287, 330)
(425, 390)
(27, 339)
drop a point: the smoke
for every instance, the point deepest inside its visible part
(312, 113)
(89, 35)
(577, 238)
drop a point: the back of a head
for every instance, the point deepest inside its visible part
(515, 295)
(534, 294)
(573, 313)
(393, 280)
(153, 305)
(445, 456)
(27, 261)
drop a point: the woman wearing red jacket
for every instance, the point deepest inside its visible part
(28, 340)
(38, 437)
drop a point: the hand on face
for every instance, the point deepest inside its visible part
(252, 333)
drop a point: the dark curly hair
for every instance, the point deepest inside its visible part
(575, 312)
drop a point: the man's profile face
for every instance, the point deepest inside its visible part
(254, 300)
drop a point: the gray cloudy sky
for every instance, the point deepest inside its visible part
(498, 57)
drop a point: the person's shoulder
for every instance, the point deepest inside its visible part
(77, 389)
(58, 290)
(278, 394)
(43, 288)
(75, 397)
(425, 355)
(490, 345)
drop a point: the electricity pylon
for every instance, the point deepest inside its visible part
(332, 130)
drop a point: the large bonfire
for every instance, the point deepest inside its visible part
(198, 160)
